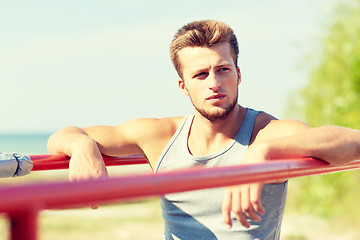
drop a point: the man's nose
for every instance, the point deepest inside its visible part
(214, 82)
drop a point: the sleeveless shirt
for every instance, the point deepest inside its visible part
(197, 214)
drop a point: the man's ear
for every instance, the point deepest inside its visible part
(239, 75)
(182, 87)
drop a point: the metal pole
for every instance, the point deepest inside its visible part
(50, 162)
(64, 194)
(24, 224)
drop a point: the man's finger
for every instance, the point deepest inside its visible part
(255, 198)
(247, 206)
(238, 210)
(226, 208)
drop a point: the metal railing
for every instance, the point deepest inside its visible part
(23, 209)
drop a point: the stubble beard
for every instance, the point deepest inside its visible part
(219, 114)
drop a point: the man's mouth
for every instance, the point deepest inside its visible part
(216, 97)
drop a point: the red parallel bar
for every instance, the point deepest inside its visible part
(75, 194)
(24, 224)
(23, 211)
(52, 162)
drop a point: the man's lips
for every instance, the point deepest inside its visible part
(216, 97)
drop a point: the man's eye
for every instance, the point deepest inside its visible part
(201, 75)
(224, 69)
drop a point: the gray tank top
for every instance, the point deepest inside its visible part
(197, 214)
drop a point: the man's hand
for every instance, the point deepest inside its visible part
(86, 165)
(86, 160)
(245, 200)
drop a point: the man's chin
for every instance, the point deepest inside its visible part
(215, 115)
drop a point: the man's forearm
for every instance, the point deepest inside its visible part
(335, 145)
(86, 160)
(68, 139)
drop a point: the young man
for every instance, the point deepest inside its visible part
(219, 133)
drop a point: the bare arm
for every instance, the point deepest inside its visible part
(335, 145)
(288, 139)
(113, 141)
(145, 137)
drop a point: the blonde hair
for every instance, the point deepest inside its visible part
(205, 33)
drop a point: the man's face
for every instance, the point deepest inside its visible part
(210, 79)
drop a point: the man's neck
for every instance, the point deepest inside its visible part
(206, 137)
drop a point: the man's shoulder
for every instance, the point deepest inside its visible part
(172, 122)
(163, 126)
(152, 134)
(269, 127)
(145, 129)
(263, 119)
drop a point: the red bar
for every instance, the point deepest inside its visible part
(22, 203)
(24, 224)
(52, 162)
(66, 195)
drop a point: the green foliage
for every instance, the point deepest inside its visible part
(331, 195)
(332, 97)
(333, 94)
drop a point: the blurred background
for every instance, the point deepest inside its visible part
(80, 63)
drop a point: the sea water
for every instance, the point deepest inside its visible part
(34, 143)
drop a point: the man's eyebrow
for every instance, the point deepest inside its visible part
(224, 64)
(206, 69)
(196, 71)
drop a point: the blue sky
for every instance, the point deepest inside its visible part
(103, 62)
